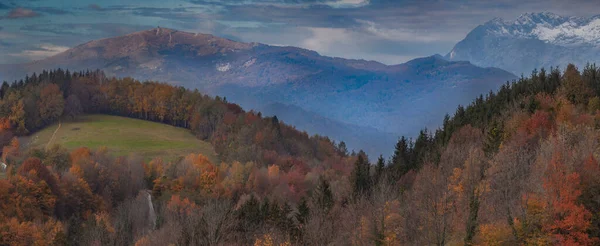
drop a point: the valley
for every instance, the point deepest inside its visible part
(395, 100)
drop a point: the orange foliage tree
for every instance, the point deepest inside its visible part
(569, 221)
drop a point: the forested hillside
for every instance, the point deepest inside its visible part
(516, 167)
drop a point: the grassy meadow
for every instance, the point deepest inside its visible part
(122, 136)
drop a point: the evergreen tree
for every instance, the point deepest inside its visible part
(323, 196)
(265, 209)
(301, 217)
(361, 182)
(250, 212)
(400, 159)
(379, 169)
(342, 148)
(421, 149)
(303, 211)
(591, 77)
(493, 139)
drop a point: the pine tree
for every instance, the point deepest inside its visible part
(360, 176)
(400, 159)
(301, 217)
(493, 139)
(421, 149)
(251, 211)
(342, 148)
(323, 196)
(379, 169)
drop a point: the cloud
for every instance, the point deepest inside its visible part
(324, 39)
(43, 51)
(403, 34)
(94, 6)
(53, 11)
(85, 30)
(179, 14)
(297, 3)
(348, 3)
(21, 13)
(389, 31)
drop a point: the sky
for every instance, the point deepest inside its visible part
(388, 31)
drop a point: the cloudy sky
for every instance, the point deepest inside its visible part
(389, 31)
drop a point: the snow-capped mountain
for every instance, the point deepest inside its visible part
(531, 41)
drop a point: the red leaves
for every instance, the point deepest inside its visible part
(569, 221)
(540, 122)
(181, 207)
(229, 118)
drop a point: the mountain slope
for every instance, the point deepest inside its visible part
(356, 137)
(397, 99)
(531, 41)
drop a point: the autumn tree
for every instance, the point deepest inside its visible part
(73, 106)
(51, 103)
(569, 221)
(573, 86)
(17, 116)
(432, 207)
(78, 198)
(6, 133)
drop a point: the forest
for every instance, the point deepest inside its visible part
(518, 166)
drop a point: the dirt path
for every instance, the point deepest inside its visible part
(53, 135)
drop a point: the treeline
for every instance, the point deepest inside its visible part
(487, 112)
(41, 99)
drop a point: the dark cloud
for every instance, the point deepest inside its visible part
(21, 13)
(256, 2)
(312, 16)
(91, 30)
(4, 6)
(180, 14)
(5, 44)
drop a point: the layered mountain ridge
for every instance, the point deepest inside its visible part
(381, 101)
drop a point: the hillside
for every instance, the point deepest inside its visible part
(122, 136)
(514, 167)
(398, 99)
(355, 137)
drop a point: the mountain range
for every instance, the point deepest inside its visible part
(356, 101)
(533, 40)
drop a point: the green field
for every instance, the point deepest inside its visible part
(122, 136)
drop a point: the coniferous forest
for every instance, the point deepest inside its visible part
(518, 166)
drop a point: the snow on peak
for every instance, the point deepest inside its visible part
(550, 28)
(223, 67)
